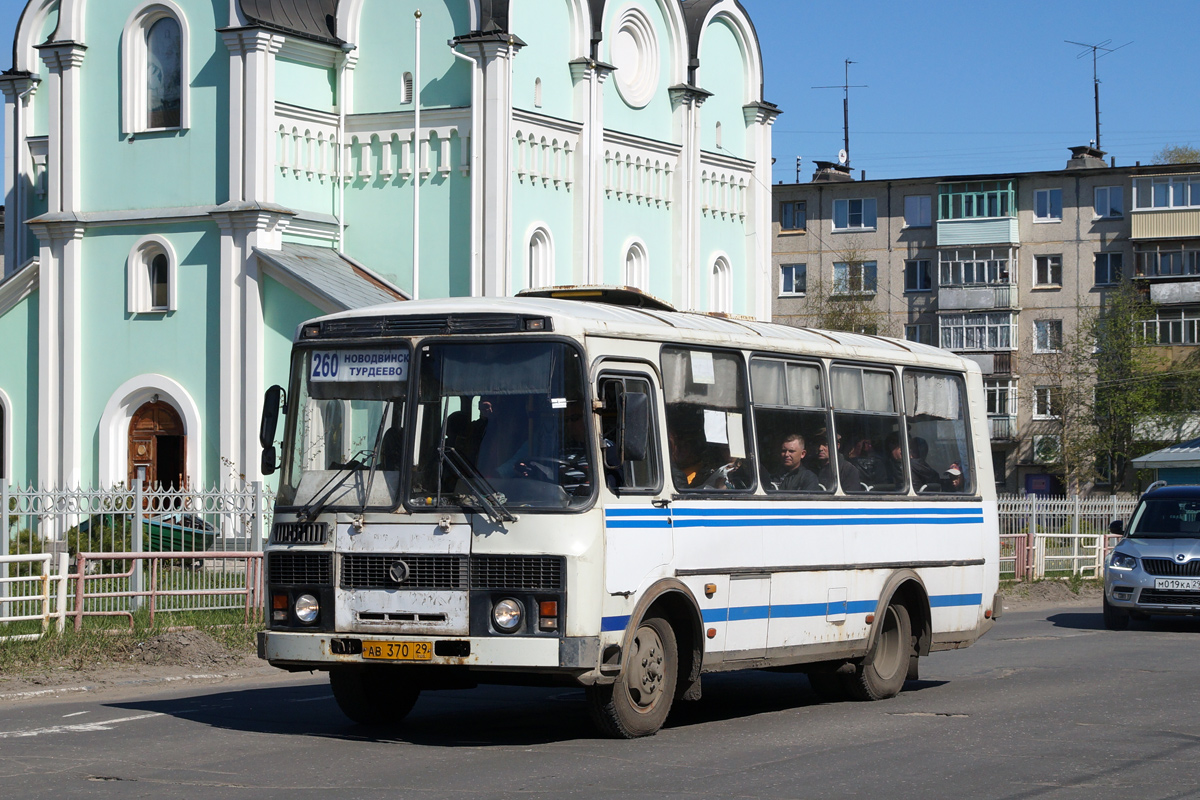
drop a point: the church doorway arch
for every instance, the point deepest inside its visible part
(158, 447)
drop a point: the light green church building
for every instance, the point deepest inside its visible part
(187, 180)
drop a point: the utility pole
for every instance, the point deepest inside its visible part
(845, 87)
(1095, 75)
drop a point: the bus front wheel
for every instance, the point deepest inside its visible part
(373, 695)
(883, 675)
(638, 702)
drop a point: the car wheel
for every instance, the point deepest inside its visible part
(1115, 619)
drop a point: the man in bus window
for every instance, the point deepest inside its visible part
(694, 462)
(925, 477)
(851, 477)
(795, 476)
(953, 479)
(870, 466)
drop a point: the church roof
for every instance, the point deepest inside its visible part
(328, 277)
(313, 19)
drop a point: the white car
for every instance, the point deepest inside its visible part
(1155, 568)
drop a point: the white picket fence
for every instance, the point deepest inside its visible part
(113, 552)
(1058, 537)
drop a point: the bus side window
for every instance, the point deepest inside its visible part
(935, 404)
(624, 475)
(866, 420)
(789, 417)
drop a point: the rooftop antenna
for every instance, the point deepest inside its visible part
(845, 87)
(1098, 51)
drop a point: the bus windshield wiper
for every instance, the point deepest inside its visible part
(491, 500)
(310, 510)
(383, 421)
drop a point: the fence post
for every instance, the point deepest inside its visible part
(1031, 540)
(4, 550)
(63, 576)
(1075, 567)
(138, 584)
(256, 543)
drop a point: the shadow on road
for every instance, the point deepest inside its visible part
(1094, 621)
(483, 717)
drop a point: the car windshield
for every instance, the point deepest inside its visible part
(501, 426)
(345, 436)
(1166, 518)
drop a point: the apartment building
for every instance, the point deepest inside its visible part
(999, 268)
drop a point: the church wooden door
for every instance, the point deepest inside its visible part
(158, 447)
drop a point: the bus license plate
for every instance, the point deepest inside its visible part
(1178, 584)
(398, 651)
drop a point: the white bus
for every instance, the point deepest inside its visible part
(586, 487)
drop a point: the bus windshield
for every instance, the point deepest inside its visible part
(500, 426)
(345, 437)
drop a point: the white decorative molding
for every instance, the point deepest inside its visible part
(17, 286)
(39, 157)
(139, 291)
(545, 149)
(634, 51)
(6, 445)
(119, 411)
(306, 51)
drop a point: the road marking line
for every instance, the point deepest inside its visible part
(87, 727)
(76, 714)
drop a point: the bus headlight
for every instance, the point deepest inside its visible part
(506, 615)
(306, 608)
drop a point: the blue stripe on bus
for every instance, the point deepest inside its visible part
(788, 517)
(814, 512)
(824, 523)
(797, 610)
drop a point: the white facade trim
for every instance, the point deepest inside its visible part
(139, 291)
(720, 283)
(540, 268)
(638, 277)
(29, 35)
(119, 411)
(134, 91)
(728, 11)
(6, 443)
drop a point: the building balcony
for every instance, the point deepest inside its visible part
(1169, 292)
(977, 231)
(977, 298)
(994, 363)
(1164, 223)
(1002, 429)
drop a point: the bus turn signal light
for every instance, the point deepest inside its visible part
(548, 615)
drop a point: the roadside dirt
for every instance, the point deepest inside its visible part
(1050, 594)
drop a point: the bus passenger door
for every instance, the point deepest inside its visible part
(637, 523)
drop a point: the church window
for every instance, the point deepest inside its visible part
(151, 277)
(537, 93)
(541, 259)
(154, 69)
(722, 287)
(406, 88)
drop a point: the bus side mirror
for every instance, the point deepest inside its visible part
(1116, 527)
(272, 402)
(635, 426)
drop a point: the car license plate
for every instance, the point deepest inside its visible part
(1178, 584)
(398, 651)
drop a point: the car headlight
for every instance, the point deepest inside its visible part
(306, 608)
(1122, 561)
(506, 615)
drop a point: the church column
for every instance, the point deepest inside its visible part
(589, 76)
(687, 100)
(495, 52)
(18, 88)
(251, 112)
(759, 119)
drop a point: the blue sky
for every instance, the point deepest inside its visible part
(963, 87)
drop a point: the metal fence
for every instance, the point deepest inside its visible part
(1058, 537)
(134, 549)
(31, 594)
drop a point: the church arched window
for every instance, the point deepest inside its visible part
(150, 277)
(154, 69)
(721, 289)
(541, 259)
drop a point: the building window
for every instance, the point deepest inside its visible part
(1108, 268)
(1110, 201)
(1046, 448)
(918, 276)
(154, 69)
(1047, 205)
(1173, 326)
(1167, 192)
(541, 259)
(1001, 398)
(537, 93)
(975, 267)
(854, 214)
(406, 88)
(976, 200)
(1163, 262)
(1047, 336)
(150, 277)
(793, 216)
(721, 289)
(921, 334)
(1047, 271)
(918, 211)
(637, 267)
(855, 278)
(793, 279)
(1045, 402)
(992, 331)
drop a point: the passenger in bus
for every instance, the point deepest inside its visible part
(895, 462)
(695, 464)
(871, 467)
(849, 474)
(952, 481)
(925, 477)
(795, 477)
(504, 442)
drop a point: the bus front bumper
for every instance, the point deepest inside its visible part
(315, 651)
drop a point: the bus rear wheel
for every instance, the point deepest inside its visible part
(373, 695)
(883, 675)
(638, 703)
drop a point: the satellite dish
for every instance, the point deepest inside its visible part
(842, 156)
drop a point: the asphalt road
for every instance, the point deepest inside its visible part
(1047, 705)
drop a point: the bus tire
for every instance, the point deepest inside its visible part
(373, 695)
(1115, 619)
(638, 702)
(883, 675)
